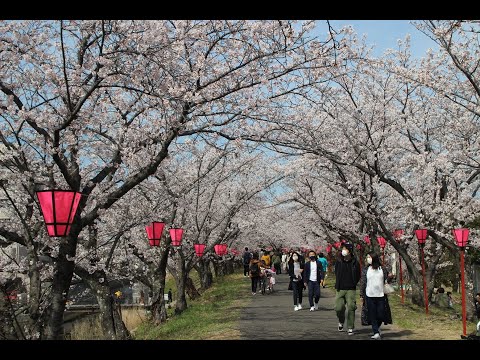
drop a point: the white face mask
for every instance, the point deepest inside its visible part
(295, 257)
(369, 260)
(344, 252)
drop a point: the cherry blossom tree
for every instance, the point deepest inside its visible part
(94, 106)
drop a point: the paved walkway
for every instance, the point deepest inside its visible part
(271, 317)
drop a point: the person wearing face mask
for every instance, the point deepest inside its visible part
(295, 271)
(347, 272)
(375, 307)
(313, 275)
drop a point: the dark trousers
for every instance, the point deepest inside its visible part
(376, 309)
(313, 290)
(255, 283)
(246, 269)
(278, 268)
(297, 287)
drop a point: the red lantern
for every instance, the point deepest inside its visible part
(58, 209)
(461, 236)
(329, 249)
(154, 232)
(220, 249)
(176, 236)
(421, 236)
(397, 234)
(367, 239)
(337, 245)
(381, 241)
(199, 249)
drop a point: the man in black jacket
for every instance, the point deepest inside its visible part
(247, 256)
(347, 272)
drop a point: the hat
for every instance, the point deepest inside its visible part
(348, 245)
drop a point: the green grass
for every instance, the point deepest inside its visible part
(439, 324)
(214, 315)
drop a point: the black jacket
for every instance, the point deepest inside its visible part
(306, 271)
(352, 266)
(291, 270)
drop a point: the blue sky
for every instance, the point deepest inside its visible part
(385, 33)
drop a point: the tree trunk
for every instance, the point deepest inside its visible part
(204, 273)
(229, 269)
(111, 321)
(60, 286)
(469, 290)
(158, 310)
(191, 290)
(180, 279)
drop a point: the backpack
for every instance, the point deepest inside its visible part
(255, 269)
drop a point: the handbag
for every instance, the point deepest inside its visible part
(388, 289)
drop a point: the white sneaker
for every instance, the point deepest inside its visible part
(316, 306)
(350, 332)
(312, 308)
(296, 308)
(299, 306)
(376, 336)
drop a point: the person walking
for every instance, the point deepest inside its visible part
(295, 270)
(284, 262)
(347, 272)
(324, 263)
(312, 276)
(267, 258)
(277, 260)
(373, 278)
(254, 269)
(247, 256)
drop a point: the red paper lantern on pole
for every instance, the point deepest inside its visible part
(422, 237)
(398, 235)
(199, 249)
(367, 239)
(58, 209)
(154, 232)
(176, 236)
(221, 249)
(382, 242)
(461, 237)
